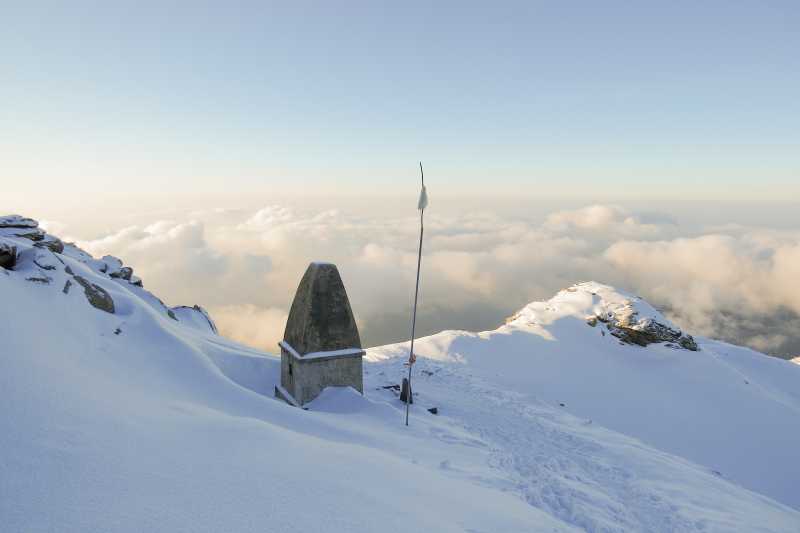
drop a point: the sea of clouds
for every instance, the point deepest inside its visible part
(733, 282)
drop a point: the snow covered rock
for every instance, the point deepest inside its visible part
(53, 244)
(96, 295)
(625, 322)
(27, 228)
(32, 234)
(17, 221)
(196, 317)
(628, 318)
(123, 273)
(46, 260)
(110, 264)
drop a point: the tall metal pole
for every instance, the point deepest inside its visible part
(411, 357)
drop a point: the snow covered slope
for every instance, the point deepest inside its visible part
(121, 414)
(729, 408)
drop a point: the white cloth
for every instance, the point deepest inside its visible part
(423, 199)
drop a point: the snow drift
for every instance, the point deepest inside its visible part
(123, 414)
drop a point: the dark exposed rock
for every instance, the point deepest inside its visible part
(169, 311)
(625, 324)
(321, 318)
(688, 342)
(434, 410)
(205, 314)
(123, 273)
(97, 296)
(39, 279)
(36, 235)
(654, 333)
(110, 264)
(8, 255)
(52, 244)
(67, 286)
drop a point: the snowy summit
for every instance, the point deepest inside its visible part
(588, 412)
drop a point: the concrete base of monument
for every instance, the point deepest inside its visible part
(305, 376)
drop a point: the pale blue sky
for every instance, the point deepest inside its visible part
(254, 95)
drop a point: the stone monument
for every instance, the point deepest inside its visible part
(320, 347)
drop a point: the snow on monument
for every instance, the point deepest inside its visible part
(321, 346)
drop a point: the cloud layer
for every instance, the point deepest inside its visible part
(733, 282)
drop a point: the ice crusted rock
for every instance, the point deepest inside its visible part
(16, 221)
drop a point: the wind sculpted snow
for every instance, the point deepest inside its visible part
(144, 419)
(733, 410)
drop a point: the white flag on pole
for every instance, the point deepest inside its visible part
(423, 199)
(421, 205)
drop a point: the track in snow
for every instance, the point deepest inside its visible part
(585, 475)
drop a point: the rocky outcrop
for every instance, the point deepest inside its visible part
(113, 267)
(53, 244)
(16, 221)
(123, 273)
(624, 323)
(619, 315)
(27, 228)
(31, 254)
(46, 260)
(8, 255)
(96, 295)
(34, 234)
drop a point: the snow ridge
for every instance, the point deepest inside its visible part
(123, 414)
